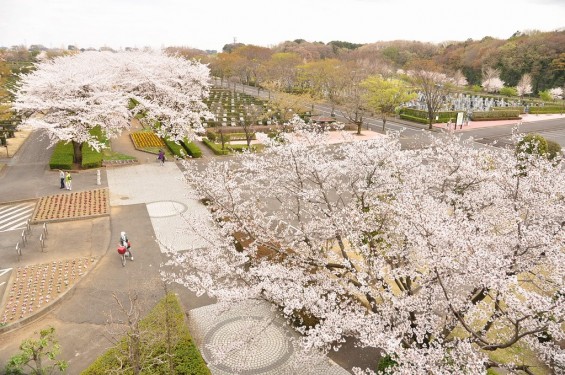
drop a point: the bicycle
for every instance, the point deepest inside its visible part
(124, 251)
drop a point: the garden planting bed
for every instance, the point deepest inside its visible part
(75, 205)
(37, 286)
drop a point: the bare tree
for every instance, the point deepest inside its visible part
(432, 84)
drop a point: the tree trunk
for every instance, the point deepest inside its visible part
(359, 126)
(77, 153)
(384, 124)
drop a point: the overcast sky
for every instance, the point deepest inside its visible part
(210, 24)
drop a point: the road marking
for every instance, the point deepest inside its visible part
(5, 271)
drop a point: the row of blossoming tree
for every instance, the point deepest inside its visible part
(70, 95)
(449, 258)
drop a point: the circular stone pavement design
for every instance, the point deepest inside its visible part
(165, 208)
(268, 347)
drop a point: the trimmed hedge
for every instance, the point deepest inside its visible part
(62, 157)
(186, 357)
(192, 149)
(176, 148)
(521, 109)
(546, 110)
(214, 147)
(495, 115)
(90, 157)
(241, 148)
(414, 119)
(412, 114)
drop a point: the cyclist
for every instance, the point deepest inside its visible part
(125, 243)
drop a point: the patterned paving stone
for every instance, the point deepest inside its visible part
(251, 339)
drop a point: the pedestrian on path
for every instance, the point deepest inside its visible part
(161, 157)
(62, 178)
(69, 181)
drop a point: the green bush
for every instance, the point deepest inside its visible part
(532, 144)
(241, 148)
(413, 114)
(385, 363)
(521, 109)
(175, 148)
(91, 158)
(186, 359)
(62, 157)
(216, 149)
(553, 149)
(192, 149)
(414, 119)
(509, 91)
(495, 115)
(546, 110)
(211, 135)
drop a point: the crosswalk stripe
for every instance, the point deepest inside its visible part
(15, 216)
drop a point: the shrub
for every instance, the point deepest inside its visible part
(509, 91)
(176, 148)
(495, 115)
(385, 363)
(413, 114)
(186, 359)
(532, 144)
(192, 149)
(546, 110)
(62, 157)
(521, 109)
(216, 149)
(553, 149)
(91, 158)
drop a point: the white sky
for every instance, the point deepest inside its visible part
(209, 24)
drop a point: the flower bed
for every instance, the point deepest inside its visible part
(72, 205)
(143, 140)
(37, 286)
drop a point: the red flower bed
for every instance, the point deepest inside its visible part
(73, 205)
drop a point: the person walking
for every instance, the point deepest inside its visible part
(161, 157)
(69, 181)
(62, 178)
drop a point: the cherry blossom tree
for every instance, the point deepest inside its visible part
(167, 90)
(491, 80)
(524, 87)
(70, 95)
(439, 256)
(556, 93)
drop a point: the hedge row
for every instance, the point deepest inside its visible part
(192, 149)
(495, 115)
(175, 148)
(520, 109)
(423, 115)
(214, 147)
(234, 136)
(62, 157)
(414, 119)
(91, 158)
(186, 359)
(546, 110)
